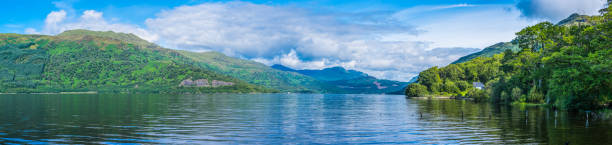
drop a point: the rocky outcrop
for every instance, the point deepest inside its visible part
(216, 83)
(204, 83)
(379, 85)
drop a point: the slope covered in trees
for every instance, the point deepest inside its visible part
(256, 73)
(566, 66)
(489, 51)
(574, 19)
(81, 60)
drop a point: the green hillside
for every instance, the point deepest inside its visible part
(573, 20)
(576, 19)
(489, 51)
(256, 73)
(81, 60)
(565, 66)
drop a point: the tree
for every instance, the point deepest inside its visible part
(477, 95)
(516, 93)
(416, 90)
(463, 85)
(450, 87)
(429, 76)
(535, 96)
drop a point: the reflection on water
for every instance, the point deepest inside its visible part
(287, 118)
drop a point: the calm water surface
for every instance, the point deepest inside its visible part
(287, 118)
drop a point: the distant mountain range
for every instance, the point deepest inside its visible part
(327, 74)
(342, 80)
(83, 60)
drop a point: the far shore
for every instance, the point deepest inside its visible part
(437, 97)
(89, 92)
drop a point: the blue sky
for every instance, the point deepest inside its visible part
(391, 39)
(19, 14)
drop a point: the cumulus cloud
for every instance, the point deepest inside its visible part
(556, 10)
(58, 21)
(299, 38)
(54, 19)
(386, 45)
(253, 30)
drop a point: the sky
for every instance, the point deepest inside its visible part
(388, 39)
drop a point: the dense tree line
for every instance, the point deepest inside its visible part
(566, 66)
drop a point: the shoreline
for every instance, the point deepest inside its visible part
(53, 93)
(439, 97)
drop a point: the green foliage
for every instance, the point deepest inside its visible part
(79, 61)
(516, 94)
(416, 90)
(490, 51)
(256, 73)
(477, 95)
(535, 96)
(436, 87)
(430, 77)
(463, 85)
(450, 87)
(505, 97)
(568, 65)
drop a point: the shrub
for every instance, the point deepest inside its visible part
(416, 90)
(516, 93)
(477, 94)
(505, 97)
(463, 85)
(535, 96)
(450, 87)
(436, 87)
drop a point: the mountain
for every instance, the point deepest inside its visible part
(576, 19)
(489, 51)
(327, 74)
(82, 60)
(282, 68)
(340, 80)
(565, 65)
(572, 20)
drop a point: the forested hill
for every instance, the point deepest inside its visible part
(489, 51)
(566, 66)
(574, 19)
(257, 73)
(81, 60)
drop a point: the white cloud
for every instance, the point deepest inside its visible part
(556, 10)
(297, 37)
(385, 45)
(54, 19)
(57, 22)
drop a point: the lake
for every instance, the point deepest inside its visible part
(288, 118)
